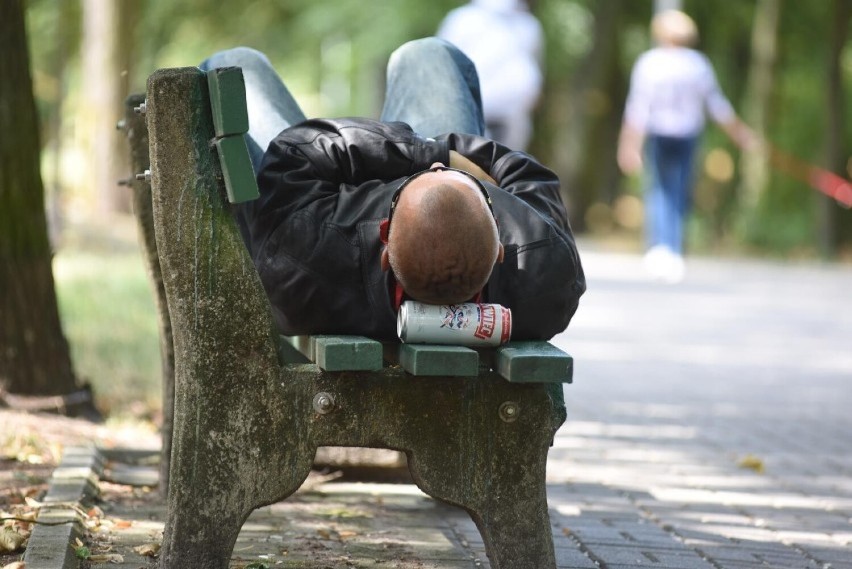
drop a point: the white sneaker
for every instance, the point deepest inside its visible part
(676, 270)
(664, 265)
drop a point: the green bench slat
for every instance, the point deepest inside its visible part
(347, 353)
(304, 344)
(337, 353)
(228, 101)
(289, 353)
(240, 182)
(432, 360)
(230, 123)
(517, 362)
(534, 362)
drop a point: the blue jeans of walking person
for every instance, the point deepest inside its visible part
(431, 86)
(669, 191)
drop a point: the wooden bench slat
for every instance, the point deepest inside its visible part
(435, 360)
(534, 362)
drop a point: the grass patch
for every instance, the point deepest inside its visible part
(110, 321)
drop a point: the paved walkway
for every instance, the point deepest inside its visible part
(710, 423)
(710, 427)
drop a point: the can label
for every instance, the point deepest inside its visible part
(467, 324)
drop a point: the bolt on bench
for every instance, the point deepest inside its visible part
(251, 408)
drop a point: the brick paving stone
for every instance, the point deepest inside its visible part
(569, 556)
(649, 557)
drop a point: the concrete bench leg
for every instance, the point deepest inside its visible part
(498, 476)
(515, 525)
(217, 482)
(235, 446)
(136, 129)
(479, 443)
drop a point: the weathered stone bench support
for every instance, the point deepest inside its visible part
(246, 426)
(136, 129)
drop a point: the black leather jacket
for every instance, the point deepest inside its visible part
(325, 186)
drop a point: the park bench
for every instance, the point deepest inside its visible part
(251, 407)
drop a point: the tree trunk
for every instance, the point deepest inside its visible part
(828, 213)
(34, 355)
(598, 88)
(102, 84)
(54, 120)
(764, 51)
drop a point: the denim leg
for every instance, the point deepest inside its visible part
(434, 88)
(655, 202)
(687, 155)
(271, 107)
(669, 191)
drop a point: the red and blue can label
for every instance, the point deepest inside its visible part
(466, 324)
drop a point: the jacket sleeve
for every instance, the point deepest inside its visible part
(517, 173)
(541, 278)
(333, 166)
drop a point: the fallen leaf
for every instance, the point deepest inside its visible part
(345, 534)
(324, 533)
(80, 550)
(108, 558)
(148, 549)
(25, 517)
(122, 524)
(95, 512)
(15, 565)
(752, 462)
(11, 540)
(32, 503)
(345, 513)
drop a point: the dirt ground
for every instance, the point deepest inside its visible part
(328, 522)
(31, 445)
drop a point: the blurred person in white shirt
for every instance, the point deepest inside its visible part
(673, 89)
(505, 42)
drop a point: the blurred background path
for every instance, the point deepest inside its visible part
(710, 422)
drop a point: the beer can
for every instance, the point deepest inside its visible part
(467, 324)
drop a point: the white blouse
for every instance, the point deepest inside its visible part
(671, 89)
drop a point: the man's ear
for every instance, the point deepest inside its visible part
(385, 259)
(500, 253)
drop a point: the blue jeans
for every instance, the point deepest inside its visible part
(431, 86)
(668, 195)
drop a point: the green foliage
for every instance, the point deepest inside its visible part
(305, 39)
(332, 54)
(110, 322)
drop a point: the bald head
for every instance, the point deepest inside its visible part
(443, 241)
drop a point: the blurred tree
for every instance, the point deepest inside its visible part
(106, 54)
(764, 50)
(332, 54)
(586, 82)
(63, 33)
(34, 356)
(830, 217)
